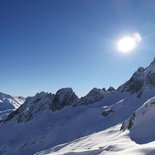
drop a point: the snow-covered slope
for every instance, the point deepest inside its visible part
(47, 120)
(108, 142)
(141, 123)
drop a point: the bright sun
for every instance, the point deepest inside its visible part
(128, 43)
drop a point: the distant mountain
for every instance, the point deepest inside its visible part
(8, 104)
(47, 119)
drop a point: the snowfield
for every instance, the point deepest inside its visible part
(111, 141)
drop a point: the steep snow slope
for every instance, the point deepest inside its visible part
(141, 123)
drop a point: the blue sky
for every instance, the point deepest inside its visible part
(49, 44)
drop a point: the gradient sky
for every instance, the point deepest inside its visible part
(49, 44)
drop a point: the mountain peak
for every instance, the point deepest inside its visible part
(93, 96)
(64, 97)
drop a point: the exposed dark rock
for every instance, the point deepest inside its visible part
(63, 97)
(93, 96)
(129, 124)
(104, 89)
(150, 79)
(107, 112)
(135, 83)
(111, 89)
(131, 121)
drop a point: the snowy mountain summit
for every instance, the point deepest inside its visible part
(104, 122)
(9, 102)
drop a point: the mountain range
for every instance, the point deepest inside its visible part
(104, 122)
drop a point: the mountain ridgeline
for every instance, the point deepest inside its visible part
(63, 97)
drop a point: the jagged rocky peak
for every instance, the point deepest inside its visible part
(135, 83)
(64, 97)
(32, 105)
(93, 96)
(104, 89)
(110, 89)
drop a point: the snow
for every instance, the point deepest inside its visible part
(142, 129)
(108, 142)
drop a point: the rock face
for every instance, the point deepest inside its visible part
(111, 89)
(63, 97)
(93, 96)
(136, 82)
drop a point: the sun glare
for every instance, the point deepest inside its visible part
(128, 43)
